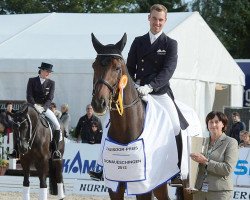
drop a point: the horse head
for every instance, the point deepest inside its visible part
(22, 127)
(109, 66)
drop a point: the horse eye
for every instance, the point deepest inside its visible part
(118, 67)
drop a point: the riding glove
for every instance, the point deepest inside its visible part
(39, 108)
(144, 90)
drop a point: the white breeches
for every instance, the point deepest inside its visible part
(53, 118)
(166, 102)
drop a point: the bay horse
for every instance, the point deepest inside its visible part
(109, 68)
(33, 136)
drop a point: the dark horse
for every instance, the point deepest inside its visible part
(109, 67)
(33, 136)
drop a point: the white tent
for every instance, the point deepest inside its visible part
(64, 40)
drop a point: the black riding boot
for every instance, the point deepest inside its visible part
(178, 139)
(177, 182)
(15, 152)
(56, 155)
(97, 176)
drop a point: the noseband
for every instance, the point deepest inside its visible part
(111, 88)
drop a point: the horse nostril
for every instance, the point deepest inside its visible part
(99, 104)
(103, 103)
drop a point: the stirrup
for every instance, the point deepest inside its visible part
(56, 155)
(96, 176)
(13, 154)
(176, 181)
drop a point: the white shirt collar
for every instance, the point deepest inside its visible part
(42, 80)
(154, 37)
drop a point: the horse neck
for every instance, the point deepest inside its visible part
(33, 116)
(129, 126)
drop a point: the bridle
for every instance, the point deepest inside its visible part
(113, 88)
(32, 134)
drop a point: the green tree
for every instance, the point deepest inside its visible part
(143, 6)
(229, 19)
(108, 6)
(22, 6)
(66, 6)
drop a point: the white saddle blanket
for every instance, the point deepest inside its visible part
(160, 152)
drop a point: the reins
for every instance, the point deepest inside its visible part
(135, 101)
(32, 134)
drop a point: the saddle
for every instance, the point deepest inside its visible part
(47, 123)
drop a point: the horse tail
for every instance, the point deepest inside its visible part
(52, 178)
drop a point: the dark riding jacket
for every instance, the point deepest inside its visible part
(155, 64)
(38, 93)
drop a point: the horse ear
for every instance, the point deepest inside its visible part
(121, 44)
(97, 45)
(24, 109)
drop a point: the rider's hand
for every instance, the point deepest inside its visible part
(39, 108)
(144, 90)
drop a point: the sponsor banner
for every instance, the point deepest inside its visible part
(241, 193)
(242, 168)
(245, 67)
(87, 187)
(79, 159)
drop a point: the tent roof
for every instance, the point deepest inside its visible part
(61, 35)
(54, 36)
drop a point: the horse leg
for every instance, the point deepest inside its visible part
(179, 193)
(42, 169)
(26, 183)
(161, 192)
(119, 195)
(59, 178)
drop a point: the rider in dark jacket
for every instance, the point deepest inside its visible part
(40, 93)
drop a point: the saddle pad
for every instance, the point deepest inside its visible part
(160, 152)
